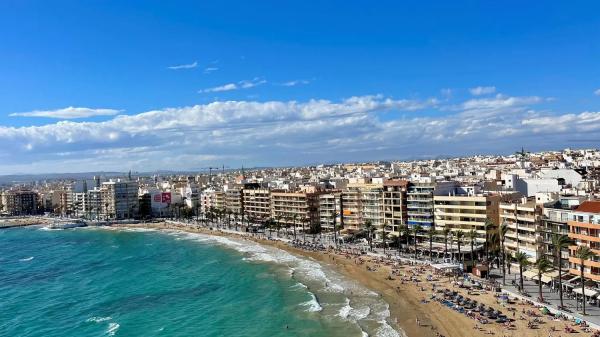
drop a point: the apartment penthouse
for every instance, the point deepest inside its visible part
(523, 220)
(466, 210)
(584, 229)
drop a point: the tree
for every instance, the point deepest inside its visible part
(446, 233)
(404, 230)
(583, 253)
(303, 231)
(369, 228)
(503, 231)
(431, 233)
(488, 223)
(472, 235)
(294, 218)
(269, 224)
(543, 265)
(559, 243)
(522, 261)
(383, 237)
(416, 230)
(398, 242)
(460, 234)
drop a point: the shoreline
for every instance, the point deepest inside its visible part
(410, 296)
(404, 302)
(333, 261)
(407, 292)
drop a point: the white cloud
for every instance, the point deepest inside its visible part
(67, 113)
(209, 70)
(288, 133)
(597, 92)
(224, 87)
(478, 91)
(184, 66)
(294, 83)
(246, 84)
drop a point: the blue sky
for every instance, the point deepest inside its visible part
(196, 84)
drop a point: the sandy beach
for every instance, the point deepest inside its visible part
(408, 293)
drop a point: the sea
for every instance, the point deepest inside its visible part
(138, 282)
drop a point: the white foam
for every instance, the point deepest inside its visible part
(112, 328)
(26, 259)
(47, 228)
(97, 319)
(360, 313)
(307, 271)
(345, 310)
(385, 330)
(312, 304)
(364, 334)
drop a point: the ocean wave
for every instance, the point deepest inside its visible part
(309, 274)
(47, 228)
(112, 328)
(386, 330)
(345, 310)
(26, 259)
(97, 319)
(360, 313)
(312, 304)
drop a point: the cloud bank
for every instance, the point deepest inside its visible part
(266, 133)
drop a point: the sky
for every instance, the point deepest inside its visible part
(176, 85)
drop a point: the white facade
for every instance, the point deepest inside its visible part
(529, 187)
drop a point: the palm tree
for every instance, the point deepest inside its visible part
(521, 259)
(383, 237)
(369, 228)
(488, 223)
(431, 233)
(459, 237)
(503, 231)
(583, 253)
(398, 242)
(543, 265)
(416, 230)
(294, 224)
(303, 231)
(404, 230)
(446, 233)
(472, 235)
(560, 242)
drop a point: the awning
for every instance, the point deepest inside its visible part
(548, 277)
(588, 292)
(532, 274)
(573, 279)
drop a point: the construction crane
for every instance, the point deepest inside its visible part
(210, 169)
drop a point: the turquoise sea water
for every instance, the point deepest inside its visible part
(101, 282)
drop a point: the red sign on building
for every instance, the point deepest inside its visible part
(166, 197)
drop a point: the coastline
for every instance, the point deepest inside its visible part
(404, 302)
(411, 310)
